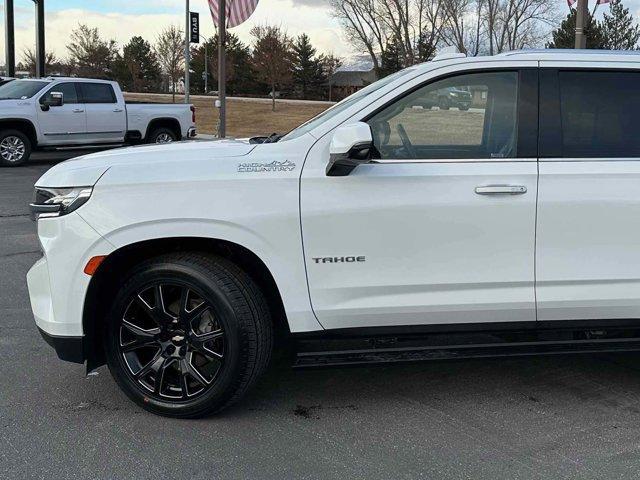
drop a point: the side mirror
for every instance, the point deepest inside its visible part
(53, 99)
(351, 145)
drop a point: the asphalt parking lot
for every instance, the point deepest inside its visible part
(552, 417)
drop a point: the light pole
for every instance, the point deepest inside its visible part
(10, 39)
(581, 19)
(40, 46)
(222, 73)
(206, 64)
(187, 53)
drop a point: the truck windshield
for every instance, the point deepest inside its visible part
(344, 104)
(20, 89)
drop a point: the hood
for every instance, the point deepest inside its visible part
(87, 169)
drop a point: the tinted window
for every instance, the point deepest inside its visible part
(467, 116)
(98, 93)
(598, 111)
(19, 89)
(67, 89)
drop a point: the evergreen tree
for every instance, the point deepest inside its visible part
(565, 35)
(138, 68)
(620, 29)
(308, 74)
(240, 76)
(426, 48)
(391, 59)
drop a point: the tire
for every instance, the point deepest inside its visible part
(15, 148)
(443, 103)
(162, 135)
(179, 380)
(463, 108)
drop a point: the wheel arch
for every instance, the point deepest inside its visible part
(105, 282)
(165, 122)
(22, 125)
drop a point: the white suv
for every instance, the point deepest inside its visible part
(381, 230)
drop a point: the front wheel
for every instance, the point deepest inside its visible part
(188, 335)
(15, 148)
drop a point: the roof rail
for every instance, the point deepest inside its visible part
(589, 51)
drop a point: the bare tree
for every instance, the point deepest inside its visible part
(416, 27)
(29, 60)
(273, 57)
(330, 64)
(408, 25)
(169, 49)
(513, 24)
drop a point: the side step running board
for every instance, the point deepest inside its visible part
(332, 352)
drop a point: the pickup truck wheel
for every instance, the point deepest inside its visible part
(15, 148)
(188, 335)
(162, 135)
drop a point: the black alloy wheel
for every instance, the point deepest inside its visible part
(171, 341)
(188, 334)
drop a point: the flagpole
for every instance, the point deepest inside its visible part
(581, 18)
(222, 74)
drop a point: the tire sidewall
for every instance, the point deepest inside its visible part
(27, 147)
(159, 131)
(234, 358)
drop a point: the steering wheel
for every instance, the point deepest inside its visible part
(406, 143)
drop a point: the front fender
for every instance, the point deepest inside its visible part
(286, 265)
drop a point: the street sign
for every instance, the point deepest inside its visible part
(195, 27)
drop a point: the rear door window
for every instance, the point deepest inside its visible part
(598, 112)
(98, 93)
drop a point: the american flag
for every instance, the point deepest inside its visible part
(238, 11)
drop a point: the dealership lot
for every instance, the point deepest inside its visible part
(553, 417)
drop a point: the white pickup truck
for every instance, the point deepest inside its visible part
(69, 112)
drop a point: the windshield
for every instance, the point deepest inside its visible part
(20, 89)
(344, 104)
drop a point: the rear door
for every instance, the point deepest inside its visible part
(441, 229)
(63, 125)
(588, 244)
(106, 117)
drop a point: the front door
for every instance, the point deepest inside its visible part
(441, 229)
(63, 125)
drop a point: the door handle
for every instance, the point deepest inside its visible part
(118, 110)
(78, 110)
(501, 190)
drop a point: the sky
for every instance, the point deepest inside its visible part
(122, 19)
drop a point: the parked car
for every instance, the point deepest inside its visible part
(368, 234)
(445, 98)
(63, 112)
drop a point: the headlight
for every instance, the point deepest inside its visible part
(55, 202)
